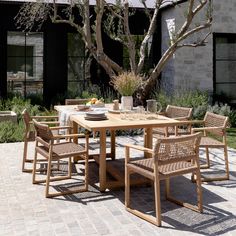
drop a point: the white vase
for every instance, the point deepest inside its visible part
(126, 101)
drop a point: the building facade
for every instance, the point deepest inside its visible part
(211, 67)
(52, 61)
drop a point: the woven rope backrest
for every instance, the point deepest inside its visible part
(79, 101)
(215, 120)
(174, 111)
(43, 131)
(176, 149)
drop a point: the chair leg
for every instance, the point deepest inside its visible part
(167, 190)
(154, 220)
(226, 162)
(207, 165)
(24, 156)
(157, 201)
(185, 204)
(86, 172)
(127, 187)
(48, 177)
(69, 167)
(34, 168)
(25, 152)
(225, 176)
(199, 191)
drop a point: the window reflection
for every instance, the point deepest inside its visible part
(225, 66)
(25, 63)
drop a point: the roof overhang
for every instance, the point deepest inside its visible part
(133, 3)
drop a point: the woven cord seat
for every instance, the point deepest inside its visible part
(214, 126)
(171, 156)
(51, 150)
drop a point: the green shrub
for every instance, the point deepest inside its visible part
(18, 104)
(232, 118)
(11, 132)
(197, 100)
(222, 109)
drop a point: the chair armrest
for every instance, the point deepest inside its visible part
(44, 117)
(140, 148)
(60, 127)
(181, 118)
(191, 122)
(207, 128)
(136, 147)
(48, 122)
(61, 136)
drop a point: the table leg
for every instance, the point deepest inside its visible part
(113, 145)
(75, 131)
(148, 140)
(75, 139)
(102, 161)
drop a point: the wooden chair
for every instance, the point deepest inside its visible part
(54, 151)
(171, 156)
(214, 129)
(178, 113)
(76, 101)
(29, 135)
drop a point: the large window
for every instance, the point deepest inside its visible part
(76, 64)
(225, 66)
(25, 63)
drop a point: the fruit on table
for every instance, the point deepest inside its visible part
(99, 102)
(95, 101)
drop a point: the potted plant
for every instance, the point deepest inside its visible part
(126, 84)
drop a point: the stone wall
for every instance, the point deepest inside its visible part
(192, 68)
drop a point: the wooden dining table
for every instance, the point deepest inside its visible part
(111, 124)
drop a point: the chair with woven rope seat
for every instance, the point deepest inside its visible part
(171, 156)
(214, 129)
(51, 150)
(29, 135)
(78, 101)
(178, 113)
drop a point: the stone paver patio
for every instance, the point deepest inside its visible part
(25, 211)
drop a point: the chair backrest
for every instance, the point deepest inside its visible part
(176, 149)
(215, 120)
(75, 101)
(26, 118)
(175, 112)
(29, 132)
(43, 132)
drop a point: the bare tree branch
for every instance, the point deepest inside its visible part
(130, 41)
(149, 34)
(119, 25)
(201, 42)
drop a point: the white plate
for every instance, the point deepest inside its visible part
(95, 113)
(95, 118)
(98, 105)
(114, 111)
